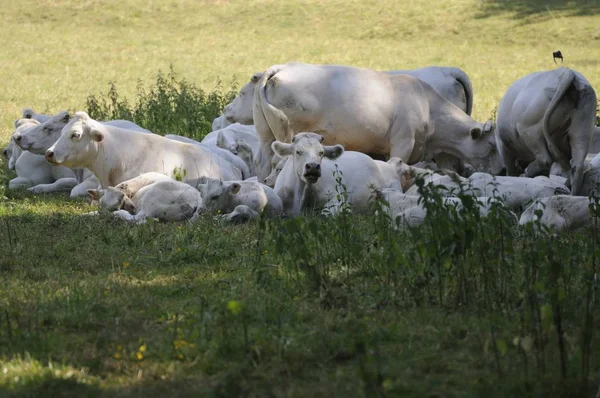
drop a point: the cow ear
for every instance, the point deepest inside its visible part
(27, 113)
(476, 133)
(235, 188)
(63, 117)
(256, 77)
(489, 126)
(333, 152)
(94, 194)
(97, 135)
(282, 149)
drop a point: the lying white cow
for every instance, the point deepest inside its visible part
(12, 152)
(272, 177)
(225, 138)
(225, 196)
(516, 192)
(547, 117)
(115, 155)
(409, 211)
(307, 180)
(29, 113)
(151, 195)
(42, 135)
(561, 212)
(33, 172)
(366, 111)
(219, 123)
(224, 153)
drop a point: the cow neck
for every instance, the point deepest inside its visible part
(108, 164)
(308, 200)
(452, 134)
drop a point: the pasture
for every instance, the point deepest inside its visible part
(293, 307)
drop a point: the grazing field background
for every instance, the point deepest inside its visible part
(54, 53)
(90, 306)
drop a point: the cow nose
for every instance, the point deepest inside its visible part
(312, 167)
(18, 138)
(5, 153)
(49, 154)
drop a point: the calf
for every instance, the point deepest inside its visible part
(150, 195)
(226, 196)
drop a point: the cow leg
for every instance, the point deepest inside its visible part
(19, 182)
(61, 184)
(124, 215)
(263, 160)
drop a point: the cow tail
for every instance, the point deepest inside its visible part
(565, 81)
(276, 120)
(464, 80)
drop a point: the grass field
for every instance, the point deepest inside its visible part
(344, 307)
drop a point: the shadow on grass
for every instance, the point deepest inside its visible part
(538, 9)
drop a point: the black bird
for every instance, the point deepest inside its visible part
(557, 54)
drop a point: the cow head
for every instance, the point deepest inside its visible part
(485, 154)
(306, 153)
(240, 109)
(78, 142)
(215, 194)
(40, 136)
(272, 178)
(112, 199)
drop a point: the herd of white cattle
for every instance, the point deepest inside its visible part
(301, 137)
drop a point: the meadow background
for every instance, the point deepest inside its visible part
(93, 307)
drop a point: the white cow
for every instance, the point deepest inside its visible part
(42, 135)
(115, 155)
(224, 153)
(225, 196)
(452, 83)
(561, 212)
(546, 117)
(12, 152)
(230, 134)
(591, 178)
(219, 123)
(516, 192)
(366, 111)
(308, 179)
(29, 113)
(272, 177)
(33, 172)
(409, 211)
(151, 195)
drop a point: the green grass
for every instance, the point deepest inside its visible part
(344, 307)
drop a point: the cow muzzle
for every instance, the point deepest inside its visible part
(312, 172)
(49, 155)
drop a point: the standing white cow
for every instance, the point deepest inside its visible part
(366, 111)
(452, 84)
(546, 117)
(115, 155)
(308, 179)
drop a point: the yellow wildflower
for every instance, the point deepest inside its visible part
(126, 264)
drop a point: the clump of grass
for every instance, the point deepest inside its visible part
(172, 105)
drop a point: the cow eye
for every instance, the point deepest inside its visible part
(298, 153)
(321, 153)
(75, 136)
